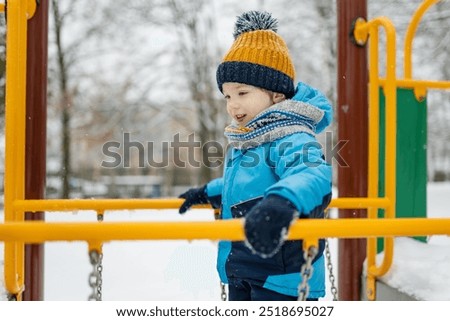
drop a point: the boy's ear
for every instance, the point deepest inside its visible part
(277, 97)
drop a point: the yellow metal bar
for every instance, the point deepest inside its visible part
(373, 150)
(15, 109)
(98, 205)
(410, 33)
(359, 202)
(16, 48)
(390, 146)
(39, 232)
(420, 86)
(102, 205)
(374, 117)
(413, 83)
(390, 90)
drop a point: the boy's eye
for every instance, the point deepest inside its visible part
(226, 97)
(242, 93)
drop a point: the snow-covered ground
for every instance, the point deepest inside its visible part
(422, 270)
(185, 271)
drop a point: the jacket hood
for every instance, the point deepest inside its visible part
(307, 94)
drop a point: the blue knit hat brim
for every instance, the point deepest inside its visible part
(255, 75)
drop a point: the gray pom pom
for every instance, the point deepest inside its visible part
(254, 20)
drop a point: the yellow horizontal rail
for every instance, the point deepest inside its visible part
(101, 205)
(420, 86)
(39, 232)
(413, 83)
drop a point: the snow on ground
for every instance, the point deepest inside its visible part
(142, 270)
(422, 270)
(185, 271)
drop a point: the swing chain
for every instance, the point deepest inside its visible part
(223, 292)
(331, 276)
(223, 289)
(100, 217)
(306, 272)
(95, 276)
(100, 278)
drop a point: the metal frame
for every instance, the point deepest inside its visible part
(390, 84)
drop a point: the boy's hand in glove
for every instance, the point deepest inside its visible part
(192, 197)
(267, 223)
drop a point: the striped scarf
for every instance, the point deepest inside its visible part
(279, 120)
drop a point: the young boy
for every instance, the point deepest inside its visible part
(274, 171)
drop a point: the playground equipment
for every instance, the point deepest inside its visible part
(15, 232)
(399, 130)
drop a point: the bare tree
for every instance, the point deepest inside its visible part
(81, 38)
(194, 23)
(65, 97)
(433, 62)
(191, 46)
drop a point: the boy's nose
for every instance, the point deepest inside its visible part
(233, 105)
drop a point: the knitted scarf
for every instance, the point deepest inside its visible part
(277, 121)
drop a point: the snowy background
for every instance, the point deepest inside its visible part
(184, 271)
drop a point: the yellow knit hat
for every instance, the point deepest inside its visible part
(258, 56)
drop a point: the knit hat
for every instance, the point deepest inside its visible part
(258, 56)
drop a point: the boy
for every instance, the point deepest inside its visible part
(274, 171)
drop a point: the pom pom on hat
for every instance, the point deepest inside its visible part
(258, 56)
(254, 20)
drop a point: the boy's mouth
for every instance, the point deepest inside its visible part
(240, 117)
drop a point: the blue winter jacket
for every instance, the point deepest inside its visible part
(292, 167)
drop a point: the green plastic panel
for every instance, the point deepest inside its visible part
(411, 155)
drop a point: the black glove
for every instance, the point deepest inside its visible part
(193, 196)
(267, 223)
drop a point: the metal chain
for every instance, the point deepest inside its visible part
(331, 276)
(94, 276)
(100, 278)
(306, 272)
(223, 292)
(100, 217)
(223, 289)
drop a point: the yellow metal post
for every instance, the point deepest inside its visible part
(18, 13)
(374, 167)
(360, 34)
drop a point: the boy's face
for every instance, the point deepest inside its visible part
(244, 102)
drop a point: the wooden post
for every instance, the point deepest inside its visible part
(36, 136)
(352, 85)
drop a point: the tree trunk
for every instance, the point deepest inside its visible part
(64, 104)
